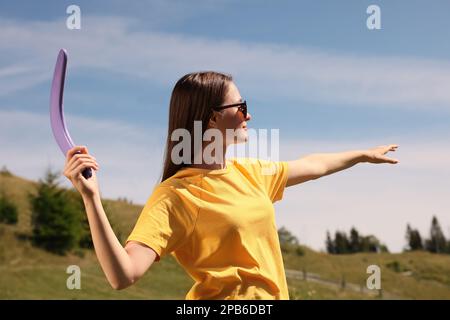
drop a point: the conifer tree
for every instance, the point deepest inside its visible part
(55, 217)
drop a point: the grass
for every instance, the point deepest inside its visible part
(422, 275)
(32, 273)
(27, 272)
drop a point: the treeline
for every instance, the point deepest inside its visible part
(353, 243)
(436, 243)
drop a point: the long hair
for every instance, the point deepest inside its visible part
(193, 98)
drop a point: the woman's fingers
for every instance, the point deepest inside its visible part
(75, 150)
(389, 160)
(76, 153)
(78, 158)
(72, 170)
(386, 149)
(80, 168)
(393, 147)
(377, 155)
(88, 163)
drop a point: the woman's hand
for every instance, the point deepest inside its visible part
(377, 154)
(77, 160)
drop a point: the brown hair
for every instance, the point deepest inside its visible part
(193, 98)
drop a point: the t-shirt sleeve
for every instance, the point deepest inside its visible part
(272, 175)
(163, 224)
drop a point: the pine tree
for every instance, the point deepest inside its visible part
(8, 211)
(408, 236)
(55, 217)
(437, 242)
(342, 245)
(85, 232)
(329, 243)
(416, 240)
(413, 239)
(355, 241)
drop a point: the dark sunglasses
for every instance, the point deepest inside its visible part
(242, 107)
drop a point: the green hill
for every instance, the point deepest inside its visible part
(27, 272)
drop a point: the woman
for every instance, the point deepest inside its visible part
(215, 217)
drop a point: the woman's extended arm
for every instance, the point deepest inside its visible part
(122, 266)
(318, 165)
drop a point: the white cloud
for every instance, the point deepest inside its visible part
(268, 70)
(20, 76)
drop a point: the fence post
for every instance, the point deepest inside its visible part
(343, 282)
(380, 293)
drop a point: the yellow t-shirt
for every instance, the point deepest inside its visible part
(220, 226)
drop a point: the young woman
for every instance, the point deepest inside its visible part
(216, 218)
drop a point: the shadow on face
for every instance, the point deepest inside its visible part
(231, 122)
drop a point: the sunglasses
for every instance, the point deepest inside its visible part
(242, 107)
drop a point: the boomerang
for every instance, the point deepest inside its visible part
(57, 121)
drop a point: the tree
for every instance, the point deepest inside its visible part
(289, 243)
(372, 244)
(341, 243)
(413, 239)
(286, 237)
(55, 216)
(330, 244)
(8, 211)
(355, 241)
(437, 242)
(85, 238)
(353, 244)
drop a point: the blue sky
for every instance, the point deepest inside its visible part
(410, 29)
(309, 68)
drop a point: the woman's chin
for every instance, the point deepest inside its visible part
(243, 139)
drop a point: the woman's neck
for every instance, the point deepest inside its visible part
(219, 161)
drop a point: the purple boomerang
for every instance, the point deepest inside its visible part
(57, 121)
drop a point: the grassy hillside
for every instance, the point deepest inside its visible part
(27, 272)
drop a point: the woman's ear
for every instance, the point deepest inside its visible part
(213, 120)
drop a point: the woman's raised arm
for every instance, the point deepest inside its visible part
(122, 266)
